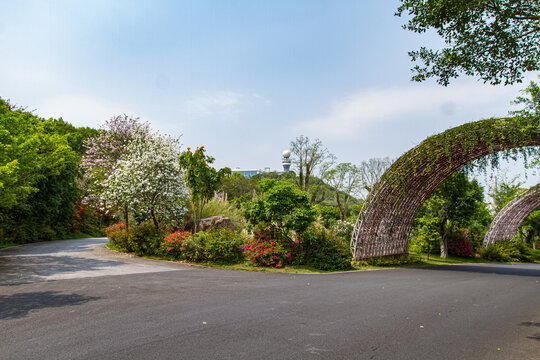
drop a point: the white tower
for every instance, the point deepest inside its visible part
(286, 160)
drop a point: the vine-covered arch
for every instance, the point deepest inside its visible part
(508, 220)
(385, 221)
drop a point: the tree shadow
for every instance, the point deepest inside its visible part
(19, 305)
(499, 269)
(50, 247)
(532, 324)
(15, 270)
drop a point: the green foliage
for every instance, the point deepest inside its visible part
(393, 260)
(328, 214)
(202, 179)
(262, 250)
(325, 251)
(237, 188)
(224, 246)
(119, 236)
(144, 239)
(141, 239)
(281, 207)
(508, 251)
(531, 101)
(503, 192)
(38, 177)
(456, 203)
(222, 208)
(495, 40)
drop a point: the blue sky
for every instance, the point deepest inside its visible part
(242, 78)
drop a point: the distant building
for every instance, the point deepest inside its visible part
(247, 172)
(285, 162)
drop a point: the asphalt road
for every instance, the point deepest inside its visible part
(77, 300)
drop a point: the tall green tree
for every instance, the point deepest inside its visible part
(202, 179)
(345, 180)
(281, 207)
(307, 156)
(457, 202)
(38, 173)
(496, 40)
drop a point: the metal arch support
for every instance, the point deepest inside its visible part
(384, 224)
(508, 220)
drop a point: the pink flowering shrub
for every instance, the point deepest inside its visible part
(172, 243)
(265, 251)
(118, 235)
(459, 244)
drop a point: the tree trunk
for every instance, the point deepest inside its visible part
(444, 248)
(156, 224)
(126, 217)
(194, 219)
(341, 214)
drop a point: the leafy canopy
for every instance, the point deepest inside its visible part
(497, 40)
(28, 154)
(282, 206)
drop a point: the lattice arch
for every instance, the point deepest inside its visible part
(506, 223)
(385, 221)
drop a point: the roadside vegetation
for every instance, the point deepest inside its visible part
(153, 198)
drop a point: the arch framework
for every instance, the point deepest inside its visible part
(384, 224)
(506, 223)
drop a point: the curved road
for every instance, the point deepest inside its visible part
(75, 299)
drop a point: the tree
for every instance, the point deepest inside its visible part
(28, 154)
(505, 191)
(345, 179)
(103, 152)
(282, 208)
(202, 179)
(38, 172)
(148, 180)
(372, 170)
(237, 188)
(497, 40)
(307, 156)
(457, 202)
(531, 101)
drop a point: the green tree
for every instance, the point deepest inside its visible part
(306, 157)
(345, 179)
(237, 188)
(38, 172)
(202, 179)
(503, 192)
(457, 202)
(531, 101)
(282, 208)
(497, 40)
(27, 154)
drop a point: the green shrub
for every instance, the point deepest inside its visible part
(222, 208)
(145, 239)
(325, 251)
(118, 235)
(193, 248)
(392, 260)
(263, 250)
(224, 246)
(172, 244)
(508, 251)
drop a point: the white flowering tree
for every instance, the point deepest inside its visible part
(104, 150)
(148, 180)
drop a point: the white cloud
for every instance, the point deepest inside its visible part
(224, 103)
(359, 111)
(79, 110)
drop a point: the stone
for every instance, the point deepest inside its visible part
(207, 224)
